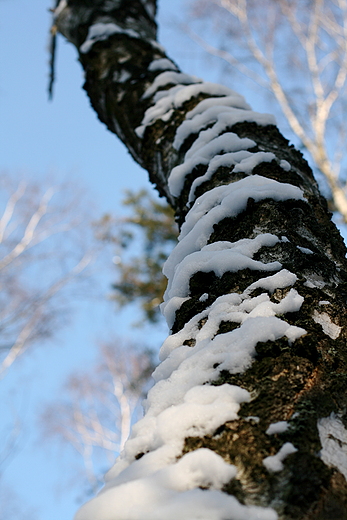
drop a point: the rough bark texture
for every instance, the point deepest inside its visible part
(301, 382)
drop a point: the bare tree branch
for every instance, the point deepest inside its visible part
(100, 406)
(44, 247)
(320, 29)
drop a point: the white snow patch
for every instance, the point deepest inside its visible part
(223, 117)
(228, 159)
(245, 162)
(240, 310)
(275, 463)
(167, 78)
(165, 100)
(170, 307)
(162, 64)
(102, 31)
(218, 257)
(175, 97)
(202, 467)
(333, 438)
(285, 165)
(230, 99)
(252, 418)
(157, 45)
(278, 427)
(305, 250)
(237, 308)
(210, 151)
(219, 203)
(255, 186)
(329, 328)
(122, 76)
(247, 165)
(203, 297)
(280, 280)
(324, 302)
(149, 500)
(176, 408)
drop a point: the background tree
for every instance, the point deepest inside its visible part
(45, 248)
(46, 251)
(247, 416)
(152, 230)
(99, 406)
(299, 56)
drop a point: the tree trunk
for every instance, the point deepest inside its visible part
(247, 417)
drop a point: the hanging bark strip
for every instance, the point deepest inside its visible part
(247, 419)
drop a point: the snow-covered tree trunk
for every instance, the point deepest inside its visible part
(247, 417)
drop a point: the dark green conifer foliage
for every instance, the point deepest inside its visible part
(142, 242)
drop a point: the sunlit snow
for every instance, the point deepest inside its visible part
(278, 427)
(275, 463)
(167, 78)
(101, 31)
(162, 64)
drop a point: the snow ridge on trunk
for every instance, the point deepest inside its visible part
(151, 475)
(250, 347)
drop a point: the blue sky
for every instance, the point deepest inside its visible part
(62, 139)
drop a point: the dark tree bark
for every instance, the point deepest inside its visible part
(247, 419)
